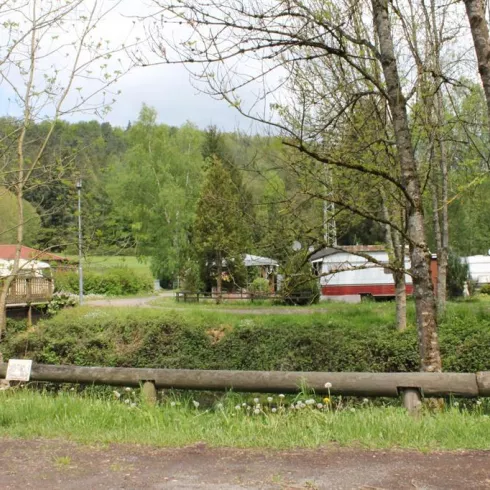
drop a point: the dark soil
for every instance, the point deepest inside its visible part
(46, 464)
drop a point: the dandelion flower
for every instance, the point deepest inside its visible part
(274, 410)
(256, 400)
(326, 400)
(269, 399)
(281, 396)
(256, 411)
(328, 385)
(196, 404)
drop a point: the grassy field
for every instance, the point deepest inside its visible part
(95, 418)
(101, 262)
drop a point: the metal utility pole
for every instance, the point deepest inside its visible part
(330, 227)
(80, 267)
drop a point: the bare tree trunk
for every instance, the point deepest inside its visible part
(481, 40)
(396, 253)
(419, 252)
(219, 279)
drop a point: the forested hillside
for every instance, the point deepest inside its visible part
(143, 184)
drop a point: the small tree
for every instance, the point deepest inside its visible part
(220, 237)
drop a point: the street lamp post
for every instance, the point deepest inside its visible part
(80, 267)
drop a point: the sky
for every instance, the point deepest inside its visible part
(167, 88)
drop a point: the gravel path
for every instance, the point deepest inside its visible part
(43, 464)
(144, 302)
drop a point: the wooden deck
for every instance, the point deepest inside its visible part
(30, 291)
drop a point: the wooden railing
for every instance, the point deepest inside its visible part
(29, 290)
(410, 386)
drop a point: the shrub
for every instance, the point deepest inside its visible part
(191, 278)
(300, 285)
(152, 338)
(117, 281)
(259, 286)
(485, 289)
(457, 275)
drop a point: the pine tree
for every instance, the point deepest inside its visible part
(220, 234)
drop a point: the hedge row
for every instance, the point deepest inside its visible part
(171, 340)
(117, 281)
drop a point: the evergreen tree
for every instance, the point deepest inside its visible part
(220, 234)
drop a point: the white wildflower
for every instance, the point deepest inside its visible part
(127, 388)
(281, 396)
(117, 394)
(365, 400)
(256, 411)
(219, 406)
(238, 407)
(352, 409)
(310, 401)
(319, 406)
(196, 404)
(249, 408)
(72, 389)
(274, 410)
(126, 401)
(478, 402)
(244, 404)
(258, 405)
(172, 404)
(256, 400)
(456, 404)
(269, 399)
(328, 385)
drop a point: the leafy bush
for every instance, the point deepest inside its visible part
(457, 275)
(192, 278)
(259, 286)
(117, 281)
(485, 289)
(152, 338)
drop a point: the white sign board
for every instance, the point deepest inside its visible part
(19, 370)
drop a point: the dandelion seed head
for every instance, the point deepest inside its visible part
(478, 402)
(219, 406)
(352, 409)
(172, 404)
(256, 411)
(319, 406)
(256, 400)
(244, 404)
(274, 410)
(310, 401)
(456, 404)
(126, 401)
(365, 400)
(238, 407)
(196, 404)
(328, 385)
(117, 394)
(127, 388)
(281, 396)
(133, 405)
(269, 399)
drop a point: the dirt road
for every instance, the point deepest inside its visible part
(63, 465)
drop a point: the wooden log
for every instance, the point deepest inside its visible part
(149, 393)
(348, 383)
(412, 400)
(483, 382)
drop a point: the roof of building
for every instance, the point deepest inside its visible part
(251, 260)
(353, 249)
(7, 252)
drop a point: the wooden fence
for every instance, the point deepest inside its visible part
(411, 386)
(30, 290)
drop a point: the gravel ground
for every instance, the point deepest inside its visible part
(48, 464)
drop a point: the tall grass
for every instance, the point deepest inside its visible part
(96, 418)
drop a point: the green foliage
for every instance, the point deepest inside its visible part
(112, 282)
(485, 289)
(358, 338)
(192, 277)
(259, 285)
(9, 221)
(61, 300)
(457, 275)
(300, 285)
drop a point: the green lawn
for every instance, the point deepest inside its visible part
(104, 419)
(102, 262)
